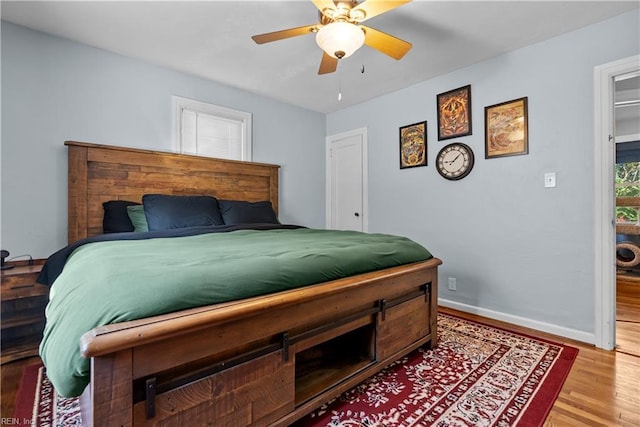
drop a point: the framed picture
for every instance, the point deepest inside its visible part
(454, 113)
(506, 130)
(413, 145)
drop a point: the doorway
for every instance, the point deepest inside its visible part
(347, 204)
(604, 198)
(626, 112)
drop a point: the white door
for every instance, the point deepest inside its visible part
(346, 181)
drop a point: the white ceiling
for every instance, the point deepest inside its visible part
(212, 39)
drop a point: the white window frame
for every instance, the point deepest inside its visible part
(180, 103)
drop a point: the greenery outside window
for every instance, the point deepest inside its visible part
(627, 185)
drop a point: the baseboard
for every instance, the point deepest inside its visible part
(521, 321)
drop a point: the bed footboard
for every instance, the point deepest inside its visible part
(266, 360)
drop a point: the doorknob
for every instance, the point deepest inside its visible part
(357, 214)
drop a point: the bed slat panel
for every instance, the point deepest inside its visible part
(111, 385)
(257, 392)
(231, 185)
(413, 317)
(133, 156)
(77, 193)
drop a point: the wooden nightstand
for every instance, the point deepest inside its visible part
(22, 312)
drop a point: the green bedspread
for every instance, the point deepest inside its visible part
(117, 281)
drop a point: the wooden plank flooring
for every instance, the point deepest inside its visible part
(628, 314)
(602, 389)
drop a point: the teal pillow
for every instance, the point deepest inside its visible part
(138, 218)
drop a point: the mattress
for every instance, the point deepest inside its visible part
(112, 281)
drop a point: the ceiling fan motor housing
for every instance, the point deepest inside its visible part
(343, 11)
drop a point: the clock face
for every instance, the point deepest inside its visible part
(455, 161)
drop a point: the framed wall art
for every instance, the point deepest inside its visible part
(413, 145)
(506, 130)
(454, 113)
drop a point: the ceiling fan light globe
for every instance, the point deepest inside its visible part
(340, 39)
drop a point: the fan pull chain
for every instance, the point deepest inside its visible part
(339, 86)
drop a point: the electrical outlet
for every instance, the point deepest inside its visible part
(452, 283)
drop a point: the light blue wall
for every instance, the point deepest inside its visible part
(55, 90)
(515, 247)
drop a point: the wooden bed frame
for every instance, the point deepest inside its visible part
(267, 360)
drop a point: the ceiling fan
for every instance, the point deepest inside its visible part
(340, 33)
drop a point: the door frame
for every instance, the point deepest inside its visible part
(365, 174)
(604, 200)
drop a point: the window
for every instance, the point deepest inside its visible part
(627, 186)
(210, 130)
(627, 138)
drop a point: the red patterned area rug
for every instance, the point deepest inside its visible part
(478, 375)
(38, 404)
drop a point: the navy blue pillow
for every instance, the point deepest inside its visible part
(116, 219)
(166, 212)
(241, 212)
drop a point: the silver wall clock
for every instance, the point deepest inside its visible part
(455, 161)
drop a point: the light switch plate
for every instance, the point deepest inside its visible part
(550, 180)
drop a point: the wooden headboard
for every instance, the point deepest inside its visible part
(99, 173)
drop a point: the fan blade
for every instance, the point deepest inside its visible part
(322, 5)
(373, 8)
(383, 42)
(283, 34)
(328, 65)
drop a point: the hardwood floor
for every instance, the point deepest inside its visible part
(602, 389)
(628, 314)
